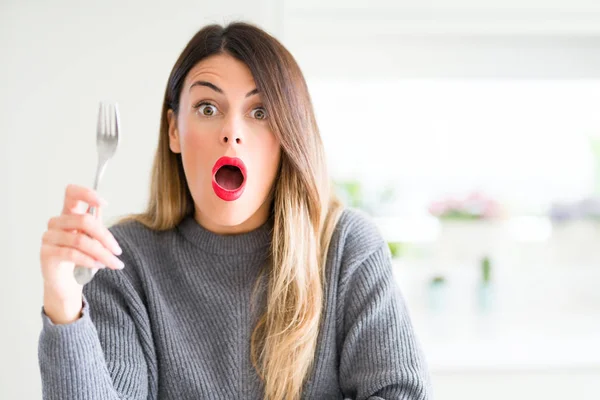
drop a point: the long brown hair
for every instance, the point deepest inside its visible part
(305, 208)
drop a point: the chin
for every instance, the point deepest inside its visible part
(229, 219)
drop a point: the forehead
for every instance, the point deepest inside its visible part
(222, 70)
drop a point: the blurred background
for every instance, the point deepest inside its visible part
(469, 130)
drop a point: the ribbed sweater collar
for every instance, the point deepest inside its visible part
(248, 242)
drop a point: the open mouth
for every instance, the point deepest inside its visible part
(229, 178)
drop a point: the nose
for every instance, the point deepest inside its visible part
(231, 138)
(232, 132)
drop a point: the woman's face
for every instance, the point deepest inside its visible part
(221, 115)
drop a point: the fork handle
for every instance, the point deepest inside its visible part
(84, 275)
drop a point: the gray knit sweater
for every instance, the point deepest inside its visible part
(176, 322)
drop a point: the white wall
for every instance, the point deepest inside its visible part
(58, 59)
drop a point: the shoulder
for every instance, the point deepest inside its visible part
(356, 238)
(360, 258)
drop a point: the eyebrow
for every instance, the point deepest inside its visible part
(218, 89)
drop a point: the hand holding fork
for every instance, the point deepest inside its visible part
(107, 141)
(76, 245)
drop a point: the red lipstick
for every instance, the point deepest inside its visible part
(229, 178)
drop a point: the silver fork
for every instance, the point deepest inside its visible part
(107, 141)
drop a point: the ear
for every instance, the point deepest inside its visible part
(174, 144)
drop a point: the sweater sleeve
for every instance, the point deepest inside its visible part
(106, 354)
(380, 358)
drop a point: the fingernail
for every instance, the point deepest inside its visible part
(117, 249)
(119, 263)
(103, 202)
(99, 265)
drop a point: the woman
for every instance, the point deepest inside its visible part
(245, 277)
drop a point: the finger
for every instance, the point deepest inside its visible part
(84, 244)
(75, 194)
(87, 224)
(70, 254)
(99, 213)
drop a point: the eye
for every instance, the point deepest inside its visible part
(207, 109)
(259, 113)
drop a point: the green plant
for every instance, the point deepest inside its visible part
(351, 193)
(438, 280)
(486, 269)
(454, 215)
(395, 248)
